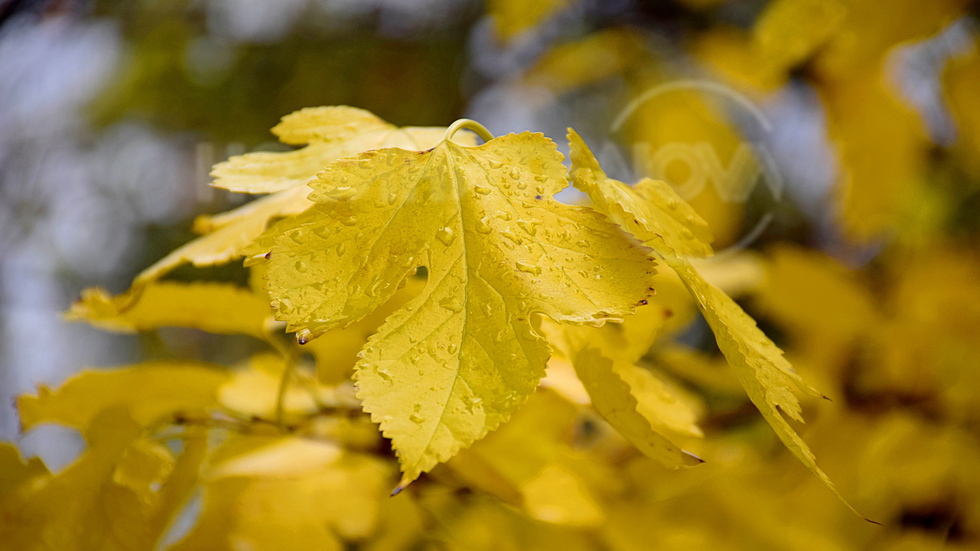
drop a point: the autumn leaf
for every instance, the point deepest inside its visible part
(459, 358)
(790, 31)
(285, 492)
(331, 133)
(511, 17)
(149, 392)
(530, 463)
(15, 474)
(613, 398)
(100, 513)
(631, 399)
(212, 307)
(229, 235)
(759, 365)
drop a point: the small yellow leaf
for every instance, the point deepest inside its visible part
(15, 473)
(230, 234)
(149, 392)
(790, 31)
(672, 224)
(280, 458)
(272, 493)
(332, 133)
(254, 390)
(211, 307)
(145, 464)
(614, 400)
(666, 406)
(458, 359)
(530, 463)
(557, 495)
(81, 508)
(512, 17)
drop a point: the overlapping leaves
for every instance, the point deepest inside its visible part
(659, 218)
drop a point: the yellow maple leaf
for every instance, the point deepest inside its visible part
(329, 133)
(638, 405)
(230, 234)
(332, 133)
(149, 392)
(613, 398)
(767, 377)
(458, 359)
(212, 307)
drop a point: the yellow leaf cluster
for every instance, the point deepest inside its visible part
(659, 220)
(443, 275)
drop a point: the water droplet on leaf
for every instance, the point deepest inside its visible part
(446, 236)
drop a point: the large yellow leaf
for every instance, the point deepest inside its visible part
(759, 365)
(458, 359)
(332, 133)
(212, 307)
(149, 392)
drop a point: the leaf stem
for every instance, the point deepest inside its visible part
(289, 358)
(468, 124)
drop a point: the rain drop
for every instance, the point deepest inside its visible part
(512, 236)
(527, 226)
(482, 226)
(529, 268)
(452, 303)
(446, 236)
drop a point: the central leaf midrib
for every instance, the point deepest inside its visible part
(466, 298)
